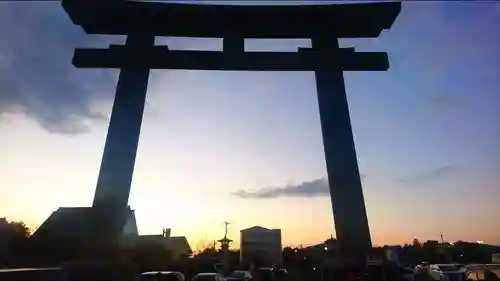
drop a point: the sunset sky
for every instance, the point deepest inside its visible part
(427, 132)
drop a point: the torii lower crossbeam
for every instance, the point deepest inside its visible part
(160, 57)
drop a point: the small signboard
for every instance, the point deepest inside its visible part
(392, 255)
(374, 259)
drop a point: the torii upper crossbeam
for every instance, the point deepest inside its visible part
(221, 21)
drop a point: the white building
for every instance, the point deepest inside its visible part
(260, 246)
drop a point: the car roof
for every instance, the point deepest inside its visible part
(30, 269)
(161, 272)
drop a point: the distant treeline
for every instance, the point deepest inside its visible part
(409, 254)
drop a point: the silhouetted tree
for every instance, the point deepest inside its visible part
(15, 229)
(460, 251)
(288, 256)
(206, 256)
(14, 236)
(416, 243)
(205, 245)
(466, 252)
(430, 251)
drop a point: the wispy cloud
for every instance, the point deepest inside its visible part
(431, 175)
(319, 187)
(36, 75)
(315, 188)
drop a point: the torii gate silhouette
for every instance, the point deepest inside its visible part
(323, 24)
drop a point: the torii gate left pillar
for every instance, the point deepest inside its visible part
(118, 160)
(142, 21)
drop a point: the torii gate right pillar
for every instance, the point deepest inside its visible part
(349, 212)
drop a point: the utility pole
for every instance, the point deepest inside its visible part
(226, 223)
(224, 246)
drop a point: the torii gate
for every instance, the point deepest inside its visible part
(323, 24)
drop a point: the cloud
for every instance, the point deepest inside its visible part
(315, 188)
(432, 175)
(36, 75)
(319, 187)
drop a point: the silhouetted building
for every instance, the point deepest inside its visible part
(321, 251)
(261, 246)
(70, 227)
(178, 246)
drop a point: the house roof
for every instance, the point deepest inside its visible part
(257, 228)
(329, 243)
(176, 243)
(67, 223)
(179, 243)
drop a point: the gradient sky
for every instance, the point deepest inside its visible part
(246, 147)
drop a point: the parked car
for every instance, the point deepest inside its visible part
(42, 274)
(281, 274)
(161, 276)
(265, 274)
(476, 272)
(208, 277)
(407, 273)
(447, 272)
(422, 268)
(239, 275)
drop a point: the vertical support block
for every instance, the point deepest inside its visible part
(351, 223)
(117, 166)
(233, 45)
